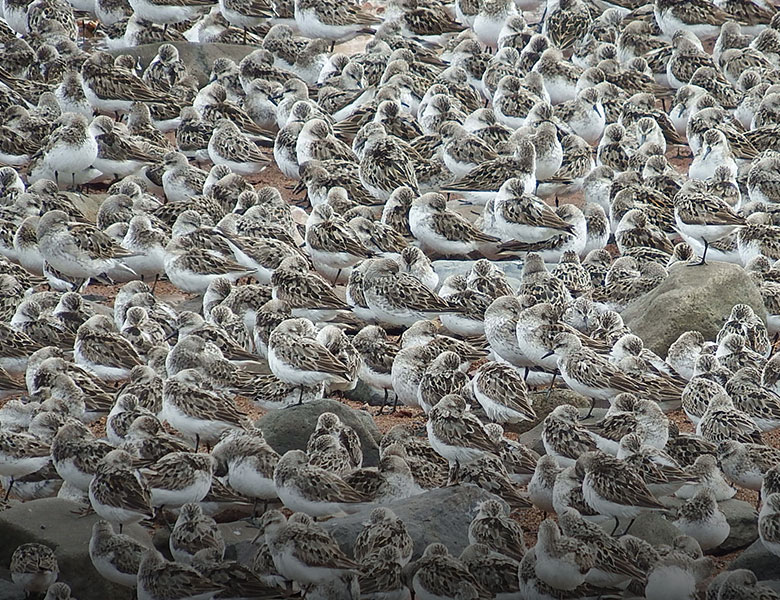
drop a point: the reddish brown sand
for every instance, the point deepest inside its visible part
(529, 519)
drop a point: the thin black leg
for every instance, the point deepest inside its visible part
(552, 383)
(8, 491)
(617, 524)
(592, 406)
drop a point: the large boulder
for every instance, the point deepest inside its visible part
(445, 267)
(89, 204)
(651, 526)
(544, 403)
(758, 559)
(365, 394)
(53, 522)
(743, 520)
(197, 57)
(656, 528)
(240, 542)
(290, 428)
(533, 437)
(10, 591)
(692, 298)
(441, 515)
(238, 536)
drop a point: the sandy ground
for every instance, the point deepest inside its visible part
(529, 519)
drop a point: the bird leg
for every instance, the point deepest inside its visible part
(590, 412)
(617, 524)
(629, 526)
(8, 491)
(84, 511)
(552, 383)
(161, 514)
(382, 408)
(454, 471)
(703, 256)
(258, 536)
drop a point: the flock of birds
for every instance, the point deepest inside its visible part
(459, 131)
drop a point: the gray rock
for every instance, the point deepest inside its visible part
(511, 268)
(192, 304)
(197, 57)
(691, 298)
(533, 437)
(238, 538)
(743, 520)
(659, 529)
(650, 526)
(772, 584)
(51, 521)
(290, 428)
(758, 559)
(86, 203)
(441, 515)
(544, 404)
(161, 540)
(10, 591)
(368, 395)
